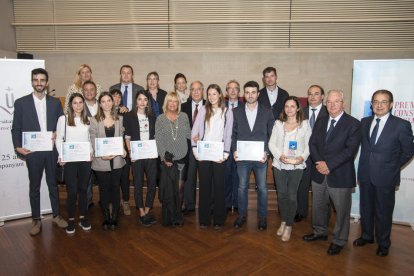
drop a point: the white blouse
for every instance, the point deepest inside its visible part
(77, 133)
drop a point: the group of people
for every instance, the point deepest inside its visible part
(309, 147)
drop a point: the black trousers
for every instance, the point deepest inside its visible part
(190, 184)
(109, 183)
(77, 176)
(149, 167)
(211, 190)
(37, 162)
(125, 184)
(376, 207)
(303, 190)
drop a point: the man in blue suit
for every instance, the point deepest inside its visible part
(38, 112)
(333, 145)
(231, 179)
(387, 145)
(252, 122)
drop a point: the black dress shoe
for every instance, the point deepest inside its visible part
(361, 242)
(334, 249)
(262, 225)
(187, 211)
(313, 237)
(298, 218)
(382, 251)
(238, 223)
(218, 226)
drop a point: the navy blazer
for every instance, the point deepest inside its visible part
(381, 164)
(25, 117)
(262, 128)
(135, 89)
(338, 152)
(131, 125)
(277, 107)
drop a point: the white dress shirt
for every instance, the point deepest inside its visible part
(41, 111)
(383, 120)
(336, 120)
(251, 116)
(272, 94)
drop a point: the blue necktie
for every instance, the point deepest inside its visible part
(125, 97)
(374, 133)
(312, 118)
(331, 128)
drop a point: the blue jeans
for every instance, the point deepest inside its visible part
(243, 170)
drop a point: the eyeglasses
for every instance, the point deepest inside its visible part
(380, 102)
(333, 102)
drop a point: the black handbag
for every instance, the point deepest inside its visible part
(60, 170)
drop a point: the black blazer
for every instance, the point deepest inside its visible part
(187, 109)
(381, 164)
(160, 98)
(262, 128)
(131, 125)
(25, 117)
(277, 107)
(322, 112)
(338, 152)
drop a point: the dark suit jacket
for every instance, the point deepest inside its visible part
(322, 112)
(131, 125)
(135, 89)
(262, 128)
(381, 164)
(25, 117)
(187, 109)
(277, 107)
(160, 99)
(338, 152)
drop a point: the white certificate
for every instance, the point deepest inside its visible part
(38, 141)
(75, 151)
(109, 146)
(143, 149)
(250, 150)
(210, 151)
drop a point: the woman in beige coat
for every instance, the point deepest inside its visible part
(108, 169)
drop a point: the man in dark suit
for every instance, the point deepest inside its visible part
(313, 112)
(191, 108)
(252, 122)
(231, 180)
(38, 112)
(272, 96)
(333, 145)
(127, 86)
(387, 145)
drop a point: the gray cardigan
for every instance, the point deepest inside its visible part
(97, 130)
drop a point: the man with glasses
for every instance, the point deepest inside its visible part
(387, 145)
(191, 108)
(333, 145)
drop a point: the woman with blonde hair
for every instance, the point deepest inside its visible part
(84, 73)
(172, 132)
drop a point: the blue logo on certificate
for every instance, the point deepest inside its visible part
(33, 136)
(71, 146)
(139, 145)
(293, 145)
(206, 146)
(105, 142)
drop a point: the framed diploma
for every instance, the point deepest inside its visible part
(109, 146)
(210, 151)
(38, 141)
(75, 151)
(143, 149)
(250, 150)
